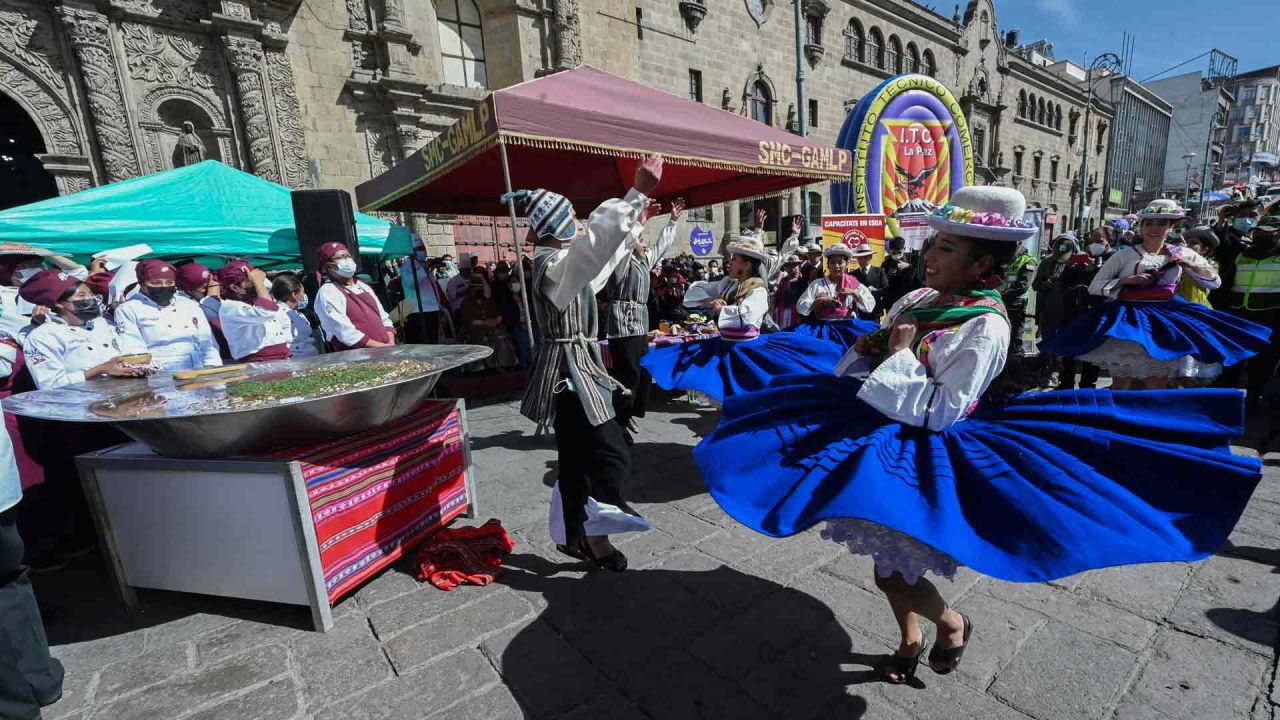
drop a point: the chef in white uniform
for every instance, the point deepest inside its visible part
(19, 263)
(75, 343)
(173, 329)
(289, 294)
(255, 329)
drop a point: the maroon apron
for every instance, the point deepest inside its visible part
(362, 311)
(30, 472)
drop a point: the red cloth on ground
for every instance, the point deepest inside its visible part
(455, 556)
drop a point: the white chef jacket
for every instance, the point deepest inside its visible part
(861, 301)
(249, 328)
(57, 354)
(963, 361)
(331, 310)
(177, 335)
(303, 343)
(741, 315)
(12, 317)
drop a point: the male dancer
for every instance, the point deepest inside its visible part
(569, 387)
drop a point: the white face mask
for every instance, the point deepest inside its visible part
(1096, 249)
(25, 274)
(515, 287)
(346, 267)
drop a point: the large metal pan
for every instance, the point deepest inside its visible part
(174, 418)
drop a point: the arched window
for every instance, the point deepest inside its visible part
(461, 43)
(1040, 111)
(875, 48)
(854, 39)
(928, 65)
(1057, 119)
(895, 54)
(761, 102)
(1031, 107)
(1022, 103)
(913, 58)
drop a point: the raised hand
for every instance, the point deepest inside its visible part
(652, 208)
(761, 216)
(796, 225)
(677, 208)
(648, 174)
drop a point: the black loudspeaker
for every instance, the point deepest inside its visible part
(323, 216)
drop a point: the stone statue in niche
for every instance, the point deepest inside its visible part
(793, 123)
(190, 149)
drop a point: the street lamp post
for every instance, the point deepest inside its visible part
(1112, 62)
(802, 108)
(1186, 177)
(1219, 119)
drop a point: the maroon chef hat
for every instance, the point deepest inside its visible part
(47, 287)
(234, 273)
(100, 283)
(193, 276)
(155, 270)
(328, 250)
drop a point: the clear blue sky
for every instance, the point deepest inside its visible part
(1167, 32)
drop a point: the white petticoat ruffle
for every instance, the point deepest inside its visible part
(892, 550)
(1124, 358)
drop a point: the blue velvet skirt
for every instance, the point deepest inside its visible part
(721, 368)
(843, 333)
(1166, 330)
(1046, 486)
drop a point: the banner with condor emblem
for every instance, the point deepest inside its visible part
(911, 150)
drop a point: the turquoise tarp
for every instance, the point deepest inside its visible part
(206, 209)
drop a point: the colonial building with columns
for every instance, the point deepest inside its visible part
(328, 93)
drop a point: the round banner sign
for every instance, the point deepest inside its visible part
(911, 149)
(701, 241)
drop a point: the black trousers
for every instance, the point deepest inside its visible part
(594, 462)
(422, 328)
(626, 354)
(29, 676)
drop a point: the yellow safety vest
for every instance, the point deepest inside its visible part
(1255, 276)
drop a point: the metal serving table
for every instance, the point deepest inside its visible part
(236, 526)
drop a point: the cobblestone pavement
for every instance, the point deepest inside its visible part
(714, 621)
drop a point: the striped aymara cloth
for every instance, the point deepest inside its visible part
(569, 354)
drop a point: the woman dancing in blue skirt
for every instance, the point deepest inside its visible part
(916, 454)
(1143, 330)
(742, 359)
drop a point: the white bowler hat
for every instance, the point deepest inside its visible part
(749, 245)
(839, 250)
(863, 250)
(1162, 209)
(986, 212)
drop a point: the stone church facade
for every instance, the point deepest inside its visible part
(327, 93)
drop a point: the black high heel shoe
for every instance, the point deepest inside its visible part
(899, 670)
(944, 660)
(615, 561)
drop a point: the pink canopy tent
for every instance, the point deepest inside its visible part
(582, 133)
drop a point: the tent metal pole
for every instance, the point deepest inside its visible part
(515, 238)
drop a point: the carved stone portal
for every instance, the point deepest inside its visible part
(91, 40)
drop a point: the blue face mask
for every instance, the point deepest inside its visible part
(1244, 225)
(304, 303)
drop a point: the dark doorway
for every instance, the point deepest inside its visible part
(23, 178)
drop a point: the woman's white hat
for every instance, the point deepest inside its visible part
(749, 245)
(986, 212)
(1162, 209)
(838, 249)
